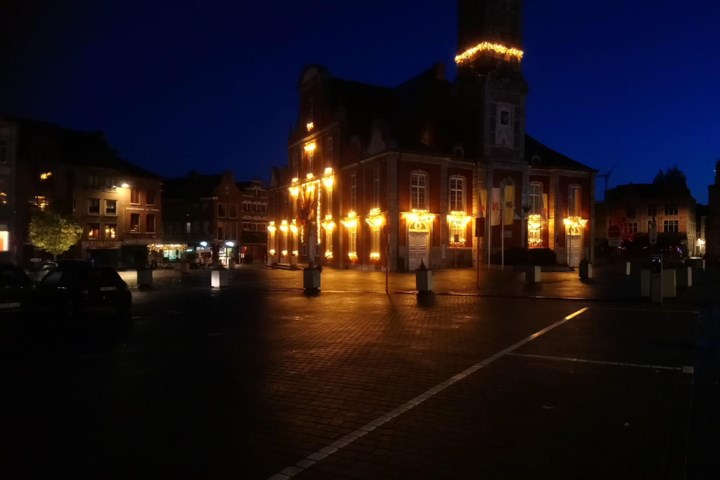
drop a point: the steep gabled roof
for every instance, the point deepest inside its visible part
(537, 154)
(194, 185)
(40, 140)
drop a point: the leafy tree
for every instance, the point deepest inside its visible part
(54, 232)
(672, 177)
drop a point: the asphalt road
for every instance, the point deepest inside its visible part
(258, 380)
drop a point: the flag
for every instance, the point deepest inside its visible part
(509, 205)
(495, 207)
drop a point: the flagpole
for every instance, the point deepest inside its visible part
(502, 226)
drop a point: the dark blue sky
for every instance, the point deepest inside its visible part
(211, 85)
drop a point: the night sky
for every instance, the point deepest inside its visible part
(211, 85)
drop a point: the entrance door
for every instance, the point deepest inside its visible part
(418, 242)
(575, 248)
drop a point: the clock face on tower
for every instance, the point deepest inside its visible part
(504, 130)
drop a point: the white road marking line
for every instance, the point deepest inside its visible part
(683, 369)
(321, 454)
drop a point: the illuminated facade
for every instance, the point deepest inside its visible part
(431, 171)
(8, 220)
(631, 209)
(202, 213)
(78, 174)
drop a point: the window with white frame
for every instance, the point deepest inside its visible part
(535, 198)
(671, 226)
(418, 191)
(353, 191)
(574, 200)
(111, 207)
(376, 187)
(457, 194)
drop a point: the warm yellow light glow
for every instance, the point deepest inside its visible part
(295, 252)
(125, 185)
(458, 220)
(328, 254)
(328, 171)
(309, 176)
(310, 147)
(45, 175)
(328, 181)
(574, 225)
(700, 242)
(375, 256)
(284, 226)
(284, 253)
(353, 256)
(3, 198)
(156, 247)
(535, 222)
(472, 53)
(42, 202)
(293, 227)
(328, 224)
(351, 221)
(310, 188)
(421, 216)
(294, 191)
(375, 218)
(309, 126)
(272, 251)
(271, 227)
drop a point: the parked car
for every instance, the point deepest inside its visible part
(39, 269)
(78, 293)
(15, 290)
(16, 303)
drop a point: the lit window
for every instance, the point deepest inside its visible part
(110, 231)
(110, 207)
(134, 222)
(93, 231)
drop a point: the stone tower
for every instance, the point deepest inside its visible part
(490, 88)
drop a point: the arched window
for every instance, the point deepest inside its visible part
(418, 191)
(457, 194)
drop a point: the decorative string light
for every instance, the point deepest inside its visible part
(472, 53)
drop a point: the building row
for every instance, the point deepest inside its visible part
(129, 216)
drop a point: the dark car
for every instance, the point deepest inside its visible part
(16, 302)
(78, 293)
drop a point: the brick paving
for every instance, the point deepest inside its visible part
(489, 380)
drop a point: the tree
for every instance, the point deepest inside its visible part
(54, 232)
(672, 177)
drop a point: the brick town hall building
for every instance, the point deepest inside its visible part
(429, 171)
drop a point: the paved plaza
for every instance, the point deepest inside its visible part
(486, 378)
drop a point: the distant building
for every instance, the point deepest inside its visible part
(10, 238)
(631, 210)
(78, 174)
(202, 219)
(429, 172)
(712, 244)
(253, 221)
